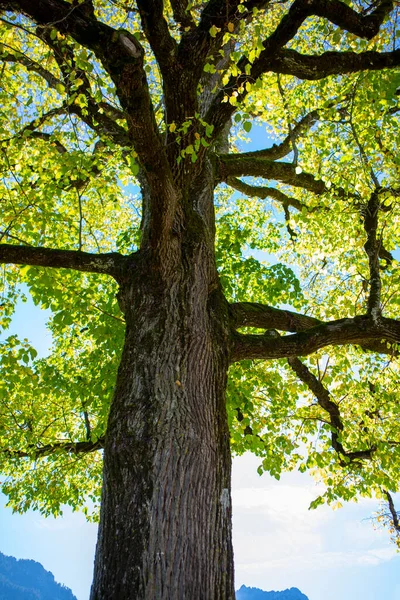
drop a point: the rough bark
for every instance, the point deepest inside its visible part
(167, 445)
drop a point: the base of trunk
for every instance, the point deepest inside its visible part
(165, 530)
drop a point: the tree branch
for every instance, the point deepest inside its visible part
(94, 113)
(87, 424)
(278, 151)
(326, 403)
(157, 32)
(199, 43)
(253, 314)
(335, 11)
(238, 165)
(263, 192)
(36, 452)
(393, 512)
(9, 54)
(122, 56)
(47, 137)
(111, 263)
(371, 246)
(360, 330)
(219, 12)
(306, 66)
(80, 182)
(182, 14)
(261, 316)
(39, 121)
(290, 62)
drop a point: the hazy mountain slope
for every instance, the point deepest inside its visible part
(249, 593)
(28, 580)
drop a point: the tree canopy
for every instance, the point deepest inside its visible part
(307, 227)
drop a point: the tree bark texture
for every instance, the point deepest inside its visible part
(166, 506)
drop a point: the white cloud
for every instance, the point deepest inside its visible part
(279, 543)
(317, 561)
(283, 497)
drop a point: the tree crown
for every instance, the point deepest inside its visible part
(103, 98)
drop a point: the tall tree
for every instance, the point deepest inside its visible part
(154, 295)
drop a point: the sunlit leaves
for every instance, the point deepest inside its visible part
(63, 398)
(68, 180)
(290, 430)
(354, 141)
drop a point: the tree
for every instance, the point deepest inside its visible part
(155, 295)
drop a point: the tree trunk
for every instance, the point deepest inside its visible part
(165, 528)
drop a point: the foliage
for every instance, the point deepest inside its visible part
(70, 181)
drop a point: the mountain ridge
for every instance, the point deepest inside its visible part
(25, 579)
(250, 593)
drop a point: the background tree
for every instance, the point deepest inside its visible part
(154, 295)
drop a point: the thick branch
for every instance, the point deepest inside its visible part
(263, 192)
(238, 165)
(104, 113)
(157, 32)
(96, 115)
(112, 111)
(217, 16)
(119, 52)
(252, 314)
(36, 452)
(111, 263)
(362, 330)
(335, 11)
(179, 82)
(219, 12)
(303, 66)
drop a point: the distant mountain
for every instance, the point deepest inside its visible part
(28, 580)
(249, 593)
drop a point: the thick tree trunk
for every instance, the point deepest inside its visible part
(165, 530)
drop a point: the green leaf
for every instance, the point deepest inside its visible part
(213, 31)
